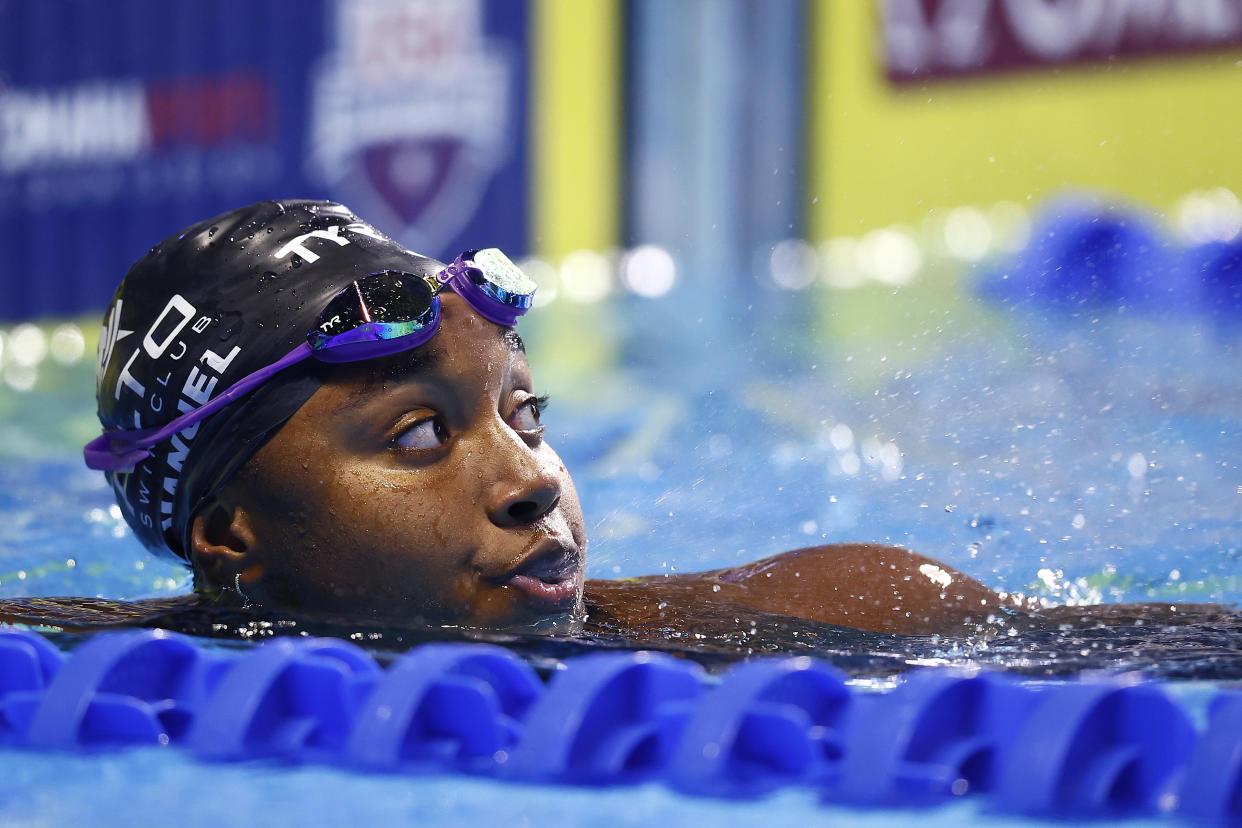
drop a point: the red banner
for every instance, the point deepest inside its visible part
(946, 38)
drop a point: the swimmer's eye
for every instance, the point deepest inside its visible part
(526, 417)
(428, 433)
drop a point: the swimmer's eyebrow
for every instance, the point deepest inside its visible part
(420, 362)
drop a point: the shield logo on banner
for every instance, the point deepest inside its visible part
(407, 141)
(428, 187)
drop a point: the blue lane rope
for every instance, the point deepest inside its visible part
(1092, 748)
(1085, 254)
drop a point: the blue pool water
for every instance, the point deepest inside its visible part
(1076, 456)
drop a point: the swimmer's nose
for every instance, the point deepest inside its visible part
(526, 503)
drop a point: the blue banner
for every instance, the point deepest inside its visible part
(121, 123)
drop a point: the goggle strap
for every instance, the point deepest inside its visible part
(119, 450)
(487, 307)
(122, 449)
(458, 267)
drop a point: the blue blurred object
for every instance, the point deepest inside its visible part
(27, 665)
(613, 718)
(291, 698)
(444, 705)
(770, 723)
(1217, 268)
(133, 688)
(944, 734)
(1212, 790)
(27, 662)
(1085, 255)
(1068, 749)
(1097, 750)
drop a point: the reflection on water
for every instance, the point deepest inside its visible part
(1195, 642)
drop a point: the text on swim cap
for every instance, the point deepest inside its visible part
(297, 245)
(166, 339)
(155, 343)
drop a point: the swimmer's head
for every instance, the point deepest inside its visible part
(407, 481)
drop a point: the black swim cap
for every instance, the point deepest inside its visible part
(200, 311)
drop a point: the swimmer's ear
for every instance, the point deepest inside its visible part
(223, 545)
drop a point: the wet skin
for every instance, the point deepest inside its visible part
(868, 586)
(420, 487)
(417, 486)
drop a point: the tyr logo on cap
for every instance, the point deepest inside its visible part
(297, 245)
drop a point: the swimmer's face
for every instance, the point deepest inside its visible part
(417, 486)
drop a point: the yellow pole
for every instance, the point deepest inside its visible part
(576, 141)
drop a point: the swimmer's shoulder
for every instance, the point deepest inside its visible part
(866, 586)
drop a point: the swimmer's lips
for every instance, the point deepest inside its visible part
(550, 578)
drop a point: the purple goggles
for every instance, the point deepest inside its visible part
(385, 313)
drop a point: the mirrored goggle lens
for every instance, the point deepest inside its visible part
(381, 313)
(501, 278)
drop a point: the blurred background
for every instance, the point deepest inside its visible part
(713, 130)
(810, 270)
(959, 275)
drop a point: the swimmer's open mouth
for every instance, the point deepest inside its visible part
(550, 577)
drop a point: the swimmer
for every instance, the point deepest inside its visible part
(315, 419)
